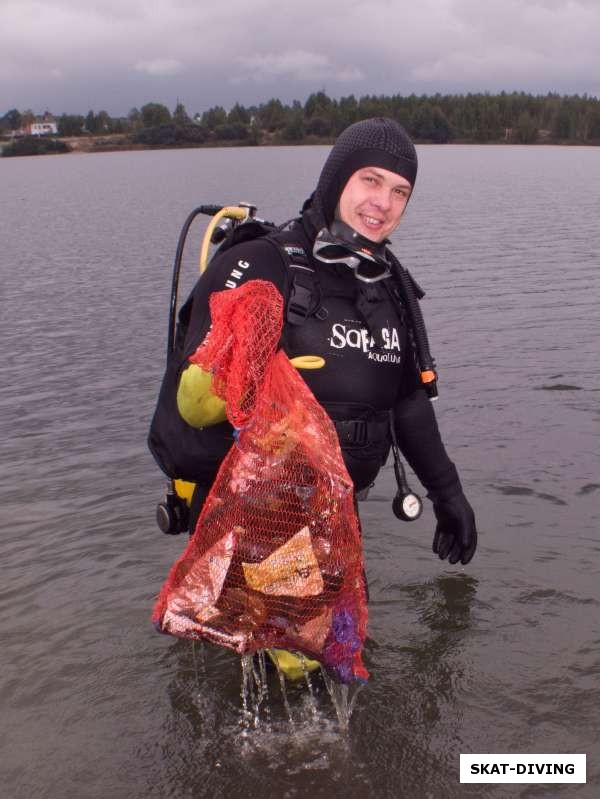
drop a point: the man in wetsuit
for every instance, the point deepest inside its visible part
(349, 311)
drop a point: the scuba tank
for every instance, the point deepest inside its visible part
(229, 226)
(173, 511)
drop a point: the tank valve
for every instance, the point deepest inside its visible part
(172, 514)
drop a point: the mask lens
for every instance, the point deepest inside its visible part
(332, 252)
(371, 272)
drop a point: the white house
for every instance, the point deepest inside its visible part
(41, 129)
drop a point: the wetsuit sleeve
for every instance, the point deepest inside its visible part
(421, 444)
(253, 260)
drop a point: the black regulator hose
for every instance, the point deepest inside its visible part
(426, 361)
(172, 514)
(208, 210)
(407, 505)
(175, 281)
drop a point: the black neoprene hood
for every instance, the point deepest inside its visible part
(378, 142)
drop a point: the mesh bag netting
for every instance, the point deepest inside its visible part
(276, 557)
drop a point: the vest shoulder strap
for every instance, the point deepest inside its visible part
(304, 294)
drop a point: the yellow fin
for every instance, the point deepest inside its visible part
(293, 666)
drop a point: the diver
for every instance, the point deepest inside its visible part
(348, 301)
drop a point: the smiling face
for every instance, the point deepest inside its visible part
(373, 202)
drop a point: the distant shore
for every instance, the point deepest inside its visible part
(95, 144)
(118, 142)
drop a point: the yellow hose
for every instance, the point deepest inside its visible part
(230, 211)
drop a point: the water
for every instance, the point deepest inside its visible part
(500, 656)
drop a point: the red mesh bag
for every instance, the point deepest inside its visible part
(276, 557)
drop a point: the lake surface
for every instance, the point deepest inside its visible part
(500, 656)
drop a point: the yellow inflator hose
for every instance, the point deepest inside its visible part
(237, 212)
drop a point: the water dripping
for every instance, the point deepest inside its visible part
(247, 691)
(261, 689)
(254, 688)
(286, 703)
(255, 693)
(343, 703)
(312, 701)
(261, 656)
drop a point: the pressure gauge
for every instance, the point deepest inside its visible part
(408, 506)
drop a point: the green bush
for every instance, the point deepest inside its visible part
(170, 135)
(231, 131)
(35, 145)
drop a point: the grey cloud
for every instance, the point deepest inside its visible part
(76, 54)
(160, 66)
(295, 64)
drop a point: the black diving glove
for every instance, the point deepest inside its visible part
(455, 533)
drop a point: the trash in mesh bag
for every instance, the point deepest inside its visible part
(276, 557)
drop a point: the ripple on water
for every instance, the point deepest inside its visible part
(550, 595)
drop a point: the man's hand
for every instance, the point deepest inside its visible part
(455, 534)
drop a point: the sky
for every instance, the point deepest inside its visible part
(70, 56)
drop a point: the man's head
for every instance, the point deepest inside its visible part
(367, 178)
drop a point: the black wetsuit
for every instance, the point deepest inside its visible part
(369, 367)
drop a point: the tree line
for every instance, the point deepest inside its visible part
(513, 117)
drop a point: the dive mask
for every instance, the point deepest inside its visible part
(341, 244)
